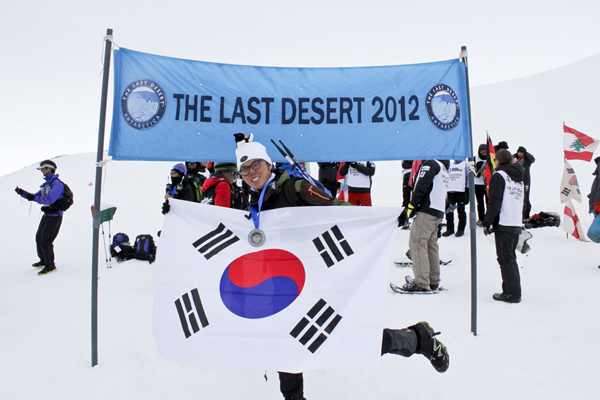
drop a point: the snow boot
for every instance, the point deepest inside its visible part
(38, 264)
(413, 287)
(46, 270)
(507, 298)
(448, 233)
(435, 351)
(460, 232)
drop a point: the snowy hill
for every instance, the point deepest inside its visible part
(542, 348)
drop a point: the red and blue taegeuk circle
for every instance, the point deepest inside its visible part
(261, 284)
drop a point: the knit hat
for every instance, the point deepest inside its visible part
(180, 167)
(47, 163)
(521, 149)
(502, 145)
(221, 167)
(251, 151)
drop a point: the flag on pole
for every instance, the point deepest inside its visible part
(107, 212)
(569, 189)
(572, 224)
(311, 297)
(490, 163)
(577, 145)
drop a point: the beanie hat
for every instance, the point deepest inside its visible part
(251, 151)
(502, 145)
(47, 163)
(221, 167)
(521, 149)
(180, 167)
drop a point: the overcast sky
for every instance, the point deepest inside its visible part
(51, 54)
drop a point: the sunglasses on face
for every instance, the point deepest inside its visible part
(245, 170)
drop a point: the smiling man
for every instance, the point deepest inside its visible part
(274, 188)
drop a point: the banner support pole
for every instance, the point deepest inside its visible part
(97, 195)
(472, 212)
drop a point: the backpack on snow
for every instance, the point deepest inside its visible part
(144, 248)
(121, 249)
(543, 219)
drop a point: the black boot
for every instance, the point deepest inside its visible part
(435, 351)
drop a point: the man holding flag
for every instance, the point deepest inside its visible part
(273, 188)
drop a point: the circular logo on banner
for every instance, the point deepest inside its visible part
(143, 104)
(442, 107)
(261, 284)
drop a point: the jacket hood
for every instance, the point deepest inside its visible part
(515, 171)
(481, 148)
(212, 181)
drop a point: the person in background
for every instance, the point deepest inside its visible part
(525, 159)
(273, 187)
(503, 218)
(358, 174)
(220, 189)
(328, 172)
(178, 188)
(50, 192)
(428, 202)
(480, 192)
(458, 194)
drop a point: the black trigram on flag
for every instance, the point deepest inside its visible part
(316, 326)
(191, 313)
(332, 246)
(215, 241)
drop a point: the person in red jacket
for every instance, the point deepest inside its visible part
(219, 188)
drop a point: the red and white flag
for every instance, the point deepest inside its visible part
(577, 145)
(569, 188)
(572, 224)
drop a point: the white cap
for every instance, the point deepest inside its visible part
(251, 151)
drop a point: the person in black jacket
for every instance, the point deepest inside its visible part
(179, 188)
(428, 203)
(328, 172)
(524, 159)
(503, 217)
(255, 166)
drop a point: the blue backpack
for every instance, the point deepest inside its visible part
(144, 247)
(120, 248)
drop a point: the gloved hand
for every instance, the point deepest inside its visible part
(166, 207)
(488, 230)
(30, 196)
(597, 207)
(402, 218)
(353, 164)
(410, 210)
(19, 191)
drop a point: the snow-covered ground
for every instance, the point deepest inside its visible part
(542, 348)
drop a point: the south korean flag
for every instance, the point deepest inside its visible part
(312, 296)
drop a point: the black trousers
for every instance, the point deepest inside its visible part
(506, 244)
(526, 203)
(458, 199)
(44, 239)
(481, 196)
(395, 341)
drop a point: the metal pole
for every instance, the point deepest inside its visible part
(96, 214)
(472, 220)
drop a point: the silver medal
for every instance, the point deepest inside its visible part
(256, 237)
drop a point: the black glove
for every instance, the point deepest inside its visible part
(402, 218)
(488, 230)
(30, 196)
(353, 164)
(166, 207)
(19, 191)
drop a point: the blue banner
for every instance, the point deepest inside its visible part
(168, 109)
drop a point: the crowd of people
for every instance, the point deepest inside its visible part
(431, 191)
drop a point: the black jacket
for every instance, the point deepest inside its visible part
(497, 185)
(420, 199)
(284, 191)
